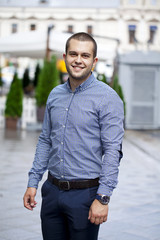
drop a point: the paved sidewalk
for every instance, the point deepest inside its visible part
(135, 205)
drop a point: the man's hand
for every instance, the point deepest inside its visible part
(98, 212)
(29, 198)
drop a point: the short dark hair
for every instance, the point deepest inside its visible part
(82, 36)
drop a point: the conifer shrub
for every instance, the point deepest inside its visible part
(14, 101)
(117, 87)
(26, 79)
(36, 75)
(1, 82)
(47, 80)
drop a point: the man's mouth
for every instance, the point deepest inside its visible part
(78, 68)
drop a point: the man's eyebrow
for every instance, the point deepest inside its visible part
(83, 53)
(86, 53)
(72, 52)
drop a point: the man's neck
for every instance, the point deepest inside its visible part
(74, 83)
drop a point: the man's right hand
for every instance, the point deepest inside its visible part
(29, 198)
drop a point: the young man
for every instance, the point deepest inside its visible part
(80, 146)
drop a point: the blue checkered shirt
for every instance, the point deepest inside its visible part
(81, 135)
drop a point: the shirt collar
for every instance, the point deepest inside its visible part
(84, 85)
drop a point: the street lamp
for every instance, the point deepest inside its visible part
(50, 27)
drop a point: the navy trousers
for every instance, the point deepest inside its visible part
(64, 214)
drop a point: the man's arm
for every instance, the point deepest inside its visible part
(111, 116)
(111, 120)
(40, 163)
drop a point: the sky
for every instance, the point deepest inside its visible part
(62, 3)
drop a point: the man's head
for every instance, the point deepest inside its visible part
(84, 37)
(80, 56)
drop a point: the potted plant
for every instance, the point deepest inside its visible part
(47, 80)
(117, 87)
(36, 75)
(14, 103)
(1, 82)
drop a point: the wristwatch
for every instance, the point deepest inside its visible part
(103, 199)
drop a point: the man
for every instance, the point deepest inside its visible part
(80, 146)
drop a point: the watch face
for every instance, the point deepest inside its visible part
(105, 199)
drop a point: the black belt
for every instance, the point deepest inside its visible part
(75, 184)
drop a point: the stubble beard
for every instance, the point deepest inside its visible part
(81, 77)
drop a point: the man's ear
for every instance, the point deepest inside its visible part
(94, 62)
(64, 56)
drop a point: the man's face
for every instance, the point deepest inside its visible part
(79, 59)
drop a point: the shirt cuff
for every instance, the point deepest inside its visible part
(33, 182)
(103, 190)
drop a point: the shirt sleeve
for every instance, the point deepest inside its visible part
(41, 158)
(111, 120)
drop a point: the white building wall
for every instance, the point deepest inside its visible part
(111, 22)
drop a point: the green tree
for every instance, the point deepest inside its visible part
(14, 101)
(1, 82)
(117, 87)
(36, 75)
(26, 79)
(48, 79)
(102, 78)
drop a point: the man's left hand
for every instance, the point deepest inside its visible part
(98, 212)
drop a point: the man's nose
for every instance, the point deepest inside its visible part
(78, 59)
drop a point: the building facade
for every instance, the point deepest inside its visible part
(135, 23)
(124, 26)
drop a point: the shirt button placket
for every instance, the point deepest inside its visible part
(62, 142)
(62, 146)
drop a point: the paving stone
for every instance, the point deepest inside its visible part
(134, 210)
(16, 233)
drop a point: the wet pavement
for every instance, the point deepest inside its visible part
(134, 210)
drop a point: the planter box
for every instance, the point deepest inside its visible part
(11, 122)
(40, 113)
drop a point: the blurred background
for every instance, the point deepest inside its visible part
(32, 41)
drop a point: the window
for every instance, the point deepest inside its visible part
(153, 2)
(32, 27)
(132, 31)
(14, 28)
(90, 29)
(132, 1)
(153, 30)
(70, 28)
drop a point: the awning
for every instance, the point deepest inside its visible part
(33, 44)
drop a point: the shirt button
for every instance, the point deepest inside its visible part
(62, 176)
(66, 109)
(63, 126)
(62, 143)
(61, 160)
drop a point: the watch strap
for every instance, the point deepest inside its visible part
(103, 199)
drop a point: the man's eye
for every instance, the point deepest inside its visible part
(72, 54)
(85, 56)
